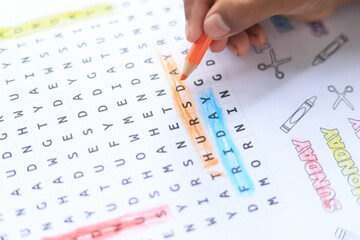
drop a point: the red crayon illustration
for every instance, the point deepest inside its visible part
(112, 227)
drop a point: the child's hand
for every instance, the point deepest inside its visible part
(233, 23)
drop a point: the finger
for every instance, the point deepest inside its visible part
(218, 45)
(312, 10)
(229, 17)
(257, 35)
(314, 16)
(239, 44)
(195, 12)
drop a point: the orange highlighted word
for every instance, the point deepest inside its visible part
(188, 112)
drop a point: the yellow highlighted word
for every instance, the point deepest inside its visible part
(54, 21)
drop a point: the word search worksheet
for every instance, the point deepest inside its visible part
(100, 139)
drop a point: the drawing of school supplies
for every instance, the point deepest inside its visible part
(341, 96)
(298, 114)
(195, 55)
(275, 64)
(330, 49)
(260, 49)
(345, 235)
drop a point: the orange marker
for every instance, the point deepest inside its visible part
(195, 55)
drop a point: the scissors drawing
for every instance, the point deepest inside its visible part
(341, 96)
(275, 64)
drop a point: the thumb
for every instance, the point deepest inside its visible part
(229, 17)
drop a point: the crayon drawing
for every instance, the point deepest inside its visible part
(298, 114)
(330, 49)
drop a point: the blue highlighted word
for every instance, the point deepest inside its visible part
(229, 154)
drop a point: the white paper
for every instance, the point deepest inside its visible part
(92, 139)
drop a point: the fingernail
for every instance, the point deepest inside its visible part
(216, 27)
(232, 49)
(187, 30)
